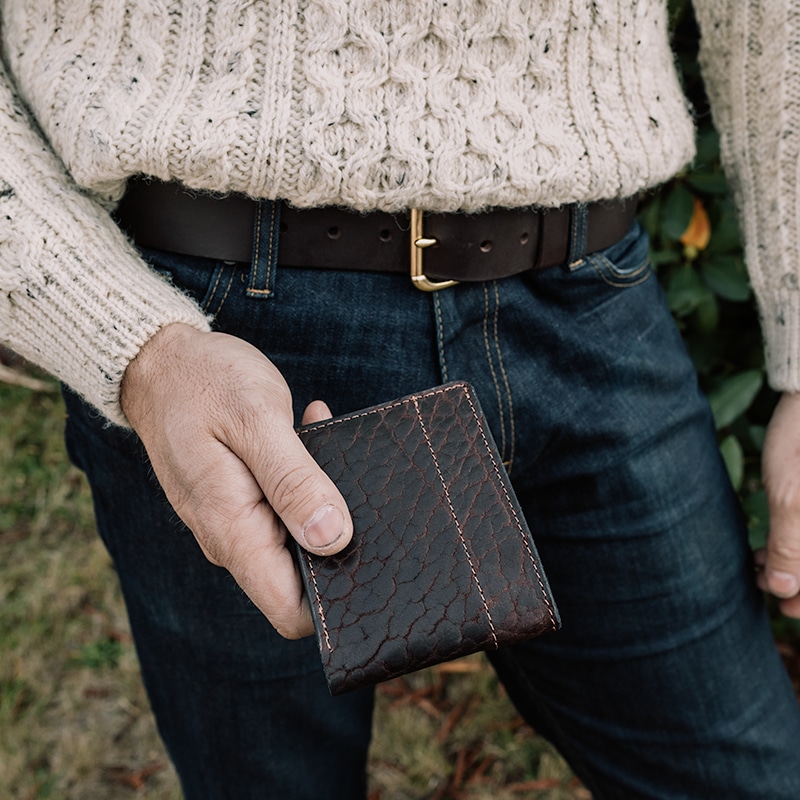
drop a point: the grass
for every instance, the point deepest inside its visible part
(74, 718)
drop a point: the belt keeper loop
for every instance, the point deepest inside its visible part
(264, 261)
(578, 233)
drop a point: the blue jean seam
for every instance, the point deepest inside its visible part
(511, 421)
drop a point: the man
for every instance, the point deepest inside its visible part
(664, 681)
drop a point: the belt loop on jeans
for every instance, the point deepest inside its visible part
(458, 247)
(578, 234)
(266, 240)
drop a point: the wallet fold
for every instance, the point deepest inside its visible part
(441, 563)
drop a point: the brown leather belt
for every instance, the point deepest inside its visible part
(436, 248)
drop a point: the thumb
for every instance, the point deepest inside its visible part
(780, 562)
(301, 494)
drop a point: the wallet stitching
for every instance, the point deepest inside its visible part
(379, 409)
(327, 424)
(455, 520)
(510, 506)
(319, 603)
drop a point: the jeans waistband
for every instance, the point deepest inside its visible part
(447, 247)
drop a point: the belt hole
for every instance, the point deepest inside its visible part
(334, 232)
(385, 235)
(523, 240)
(486, 246)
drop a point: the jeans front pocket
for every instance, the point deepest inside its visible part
(625, 263)
(207, 281)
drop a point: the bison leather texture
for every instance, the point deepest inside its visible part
(442, 563)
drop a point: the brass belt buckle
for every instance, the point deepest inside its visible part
(418, 244)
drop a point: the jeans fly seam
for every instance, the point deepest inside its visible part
(213, 292)
(489, 360)
(511, 421)
(461, 537)
(440, 336)
(225, 296)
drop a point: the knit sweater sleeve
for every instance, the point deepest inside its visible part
(75, 298)
(750, 57)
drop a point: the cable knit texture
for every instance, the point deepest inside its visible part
(444, 105)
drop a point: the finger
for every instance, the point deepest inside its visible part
(781, 562)
(238, 530)
(791, 607)
(264, 568)
(781, 568)
(316, 411)
(297, 489)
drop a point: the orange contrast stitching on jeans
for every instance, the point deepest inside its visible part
(440, 326)
(225, 296)
(214, 290)
(511, 422)
(501, 412)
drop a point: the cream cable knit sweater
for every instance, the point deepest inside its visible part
(444, 105)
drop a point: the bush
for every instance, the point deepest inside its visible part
(697, 252)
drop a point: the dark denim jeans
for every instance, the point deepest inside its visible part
(664, 681)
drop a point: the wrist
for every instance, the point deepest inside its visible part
(155, 361)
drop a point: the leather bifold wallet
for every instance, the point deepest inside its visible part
(441, 563)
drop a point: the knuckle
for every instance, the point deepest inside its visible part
(287, 629)
(785, 550)
(292, 489)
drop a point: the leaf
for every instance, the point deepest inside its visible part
(677, 9)
(726, 276)
(685, 291)
(707, 148)
(725, 235)
(733, 456)
(757, 435)
(757, 513)
(676, 212)
(708, 182)
(706, 315)
(650, 214)
(660, 258)
(734, 396)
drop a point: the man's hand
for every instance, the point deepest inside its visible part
(216, 418)
(779, 563)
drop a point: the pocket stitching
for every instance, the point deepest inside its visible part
(606, 270)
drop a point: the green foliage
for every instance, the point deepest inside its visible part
(708, 291)
(100, 654)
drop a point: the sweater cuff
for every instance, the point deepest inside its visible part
(781, 329)
(79, 301)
